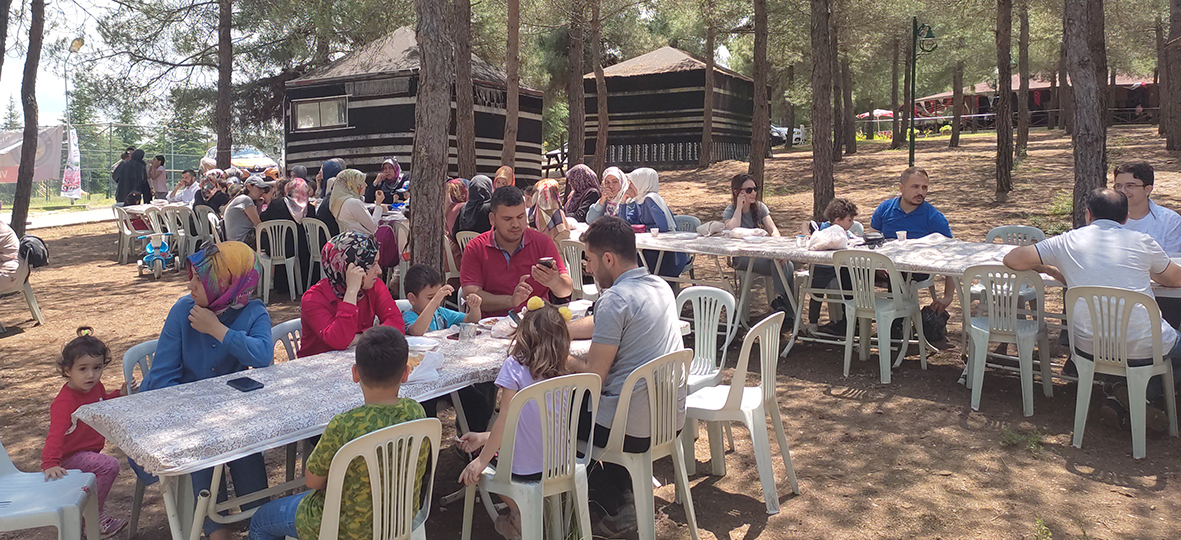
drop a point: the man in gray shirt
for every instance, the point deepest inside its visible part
(634, 322)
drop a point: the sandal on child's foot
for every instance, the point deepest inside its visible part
(110, 526)
(509, 525)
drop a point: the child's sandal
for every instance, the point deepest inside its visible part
(509, 525)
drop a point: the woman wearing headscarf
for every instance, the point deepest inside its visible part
(474, 215)
(341, 306)
(615, 190)
(456, 197)
(346, 205)
(504, 177)
(215, 330)
(388, 181)
(213, 191)
(324, 179)
(294, 206)
(584, 191)
(301, 172)
(649, 209)
(548, 216)
(131, 176)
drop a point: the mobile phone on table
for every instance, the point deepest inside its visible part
(547, 262)
(244, 384)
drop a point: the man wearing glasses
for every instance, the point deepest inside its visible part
(1135, 181)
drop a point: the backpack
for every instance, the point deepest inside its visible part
(34, 251)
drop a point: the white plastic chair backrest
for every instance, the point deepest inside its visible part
(403, 305)
(184, 216)
(276, 231)
(290, 333)
(1001, 298)
(7, 467)
(402, 232)
(317, 234)
(449, 256)
(391, 457)
(155, 219)
(168, 219)
(572, 251)
(140, 355)
(767, 334)
(1111, 310)
(558, 403)
(686, 223)
(463, 237)
(201, 217)
(123, 221)
(863, 267)
(1015, 235)
(666, 380)
(708, 304)
(214, 227)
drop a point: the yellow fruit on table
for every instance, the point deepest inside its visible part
(535, 303)
(566, 314)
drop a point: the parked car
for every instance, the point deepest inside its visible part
(779, 135)
(246, 158)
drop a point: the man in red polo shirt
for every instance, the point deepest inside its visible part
(502, 265)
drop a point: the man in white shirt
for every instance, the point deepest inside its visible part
(1104, 253)
(1135, 181)
(186, 189)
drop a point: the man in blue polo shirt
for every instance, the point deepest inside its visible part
(911, 212)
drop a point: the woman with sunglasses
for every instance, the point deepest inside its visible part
(747, 211)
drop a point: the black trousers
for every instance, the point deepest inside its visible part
(478, 400)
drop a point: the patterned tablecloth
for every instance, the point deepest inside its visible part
(194, 426)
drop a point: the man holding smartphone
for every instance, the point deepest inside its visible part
(510, 263)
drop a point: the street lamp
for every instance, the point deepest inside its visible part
(921, 39)
(75, 46)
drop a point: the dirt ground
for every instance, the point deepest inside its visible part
(905, 460)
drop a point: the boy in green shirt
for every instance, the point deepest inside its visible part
(380, 369)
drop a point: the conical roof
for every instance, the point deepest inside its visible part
(662, 60)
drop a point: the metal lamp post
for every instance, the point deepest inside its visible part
(921, 38)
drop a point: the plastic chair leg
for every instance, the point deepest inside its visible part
(31, 300)
(1086, 380)
(904, 345)
(884, 340)
(682, 491)
(583, 497)
(292, 284)
(978, 357)
(69, 523)
(922, 338)
(729, 429)
(267, 276)
(1043, 355)
(850, 322)
(688, 436)
(863, 344)
(717, 454)
(639, 467)
(1170, 398)
(137, 502)
(756, 420)
(781, 433)
(1025, 364)
(90, 514)
(1137, 409)
(469, 503)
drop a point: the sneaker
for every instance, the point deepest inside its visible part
(110, 526)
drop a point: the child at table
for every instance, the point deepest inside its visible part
(380, 369)
(538, 352)
(75, 445)
(425, 290)
(842, 214)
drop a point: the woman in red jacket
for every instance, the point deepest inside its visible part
(339, 307)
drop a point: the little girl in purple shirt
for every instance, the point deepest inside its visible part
(538, 352)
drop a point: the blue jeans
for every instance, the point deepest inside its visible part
(276, 519)
(249, 474)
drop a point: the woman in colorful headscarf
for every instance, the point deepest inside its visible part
(294, 205)
(504, 177)
(584, 191)
(324, 181)
(615, 190)
(217, 329)
(456, 198)
(339, 307)
(346, 205)
(474, 215)
(649, 209)
(548, 216)
(388, 181)
(213, 191)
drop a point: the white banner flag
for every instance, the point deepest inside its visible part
(72, 180)
(48, 160)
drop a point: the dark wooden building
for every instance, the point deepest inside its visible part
(361, 108)
(655, 104)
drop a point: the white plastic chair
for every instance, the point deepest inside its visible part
(391, 457)
(463, 237)
(277, 231)
(749, 405)
(687, 223)
(289, 333)
(1000, 300)
(28, 501)
(449, 259)
(558, 402)
(317, 234)
(206, 225)
(22, 285)
(191, 230)
(572, 251)
(402, 231)
(1012, 235)
(155, 218)
(867, 305)
(128, 234)
(215, 227)
(708, 304)
(1110, 310)
(665, 379)
(140, 355)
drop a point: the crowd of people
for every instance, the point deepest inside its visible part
(218, 328)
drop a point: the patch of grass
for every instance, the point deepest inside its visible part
(1041, 531)
(1025, 440)
(1062, 203)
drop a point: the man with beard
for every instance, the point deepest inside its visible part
(912, 214)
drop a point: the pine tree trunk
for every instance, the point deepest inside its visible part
(760, 143)
(5, 6)
(24, 173)
(1004, 110)
(223, 115)
(791, 107)
(957, 103)
(974, 110)
(1162, 69)
(465, 110)
(894, 121)
(822, 181)
(1090, 133)
(707, 114)
(512, 68)
(850, 123)
(838, 112)
(1054, 103)
(575, 94)
(1173, 78)
(432, 112)
(1023, 90)
(604, 126)
(1097, 43)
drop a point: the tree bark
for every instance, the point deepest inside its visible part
(5, 7)
(791, 107)
(707, 113)
(223, 113)
(600, 91)
(1052, 113)
(974, 110)
(432, 111)
(1097, 44)
(575, 94)
(24, 173)
(1023, 90)
(850, 123)
(1173, 67)
(761, 123)
(957, 103)
(822, 181)
(1065, 90)
(1004, 111)
(838, 113)
(1162, 70)
(894, 123)
(1090, 133)
(512, 68)
(465, 110)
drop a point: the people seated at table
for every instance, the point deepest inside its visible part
(842, 214)
(474, 215)
(426, 291)
(911, 212)
(213, 191)
(538, 352)
(583, 187)
(72, 444)
(325, 178)
(349, 209)
(186, 190)
(634, 321)
(215, 330)
(748, 212)
(504, 177)
(1104, 253)
(344, 304)
(242, 212)
(380, 370)
(548, 216)
(389, 181)
(615, 190)
(456, 198)
(649, 209)
(293, 206)
(504, 265)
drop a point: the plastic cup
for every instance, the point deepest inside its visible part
(901, 235)
(653, 231)
(801, 241)
(467, 331)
